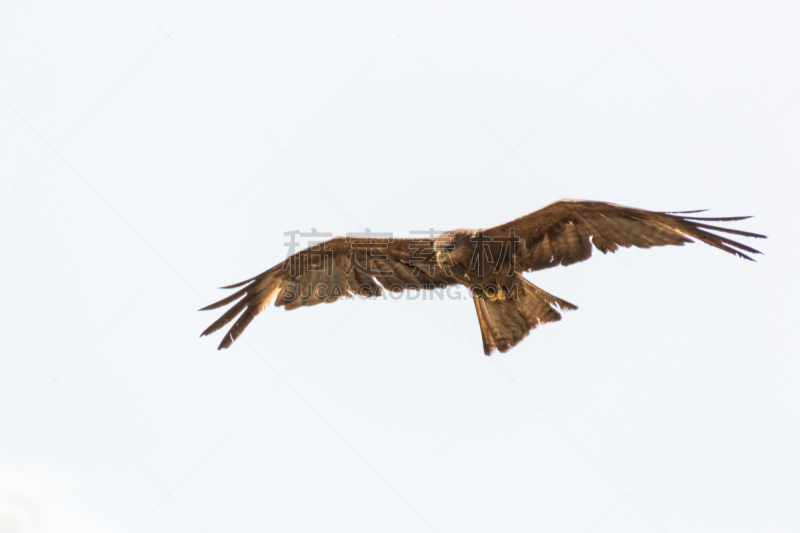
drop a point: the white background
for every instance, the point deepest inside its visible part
(153, 151)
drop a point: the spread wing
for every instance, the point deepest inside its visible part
(337, 268)
(565, 232)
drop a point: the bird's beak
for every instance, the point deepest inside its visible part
(439, 256)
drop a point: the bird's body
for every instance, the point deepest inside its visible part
(489, 262)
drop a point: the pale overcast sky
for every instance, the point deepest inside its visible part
(152, 152)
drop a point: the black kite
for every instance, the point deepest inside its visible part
(488, 261)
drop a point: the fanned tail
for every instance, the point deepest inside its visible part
(505, 322)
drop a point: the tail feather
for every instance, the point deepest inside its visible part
(504, 323)
(546, 296)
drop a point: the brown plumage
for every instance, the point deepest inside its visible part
(488, 261)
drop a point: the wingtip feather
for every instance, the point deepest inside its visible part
(685, 212)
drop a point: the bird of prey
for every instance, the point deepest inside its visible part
(490, 262)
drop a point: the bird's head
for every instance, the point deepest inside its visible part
(450, 246)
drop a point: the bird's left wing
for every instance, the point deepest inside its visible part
(324, 273)
(565, 232)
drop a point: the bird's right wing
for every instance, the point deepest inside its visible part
(324, 273)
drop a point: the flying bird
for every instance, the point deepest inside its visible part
(490, 262)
